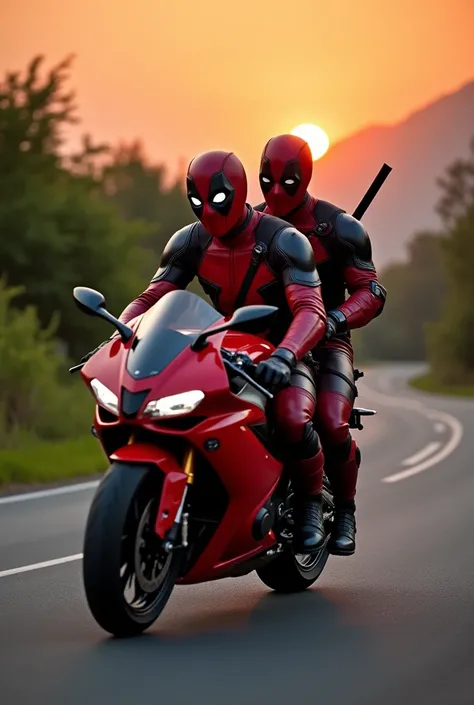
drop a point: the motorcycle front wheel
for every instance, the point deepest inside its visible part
(128, 579)
(293, 573)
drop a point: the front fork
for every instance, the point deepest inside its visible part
(175, 491)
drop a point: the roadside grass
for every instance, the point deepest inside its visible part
(39, 462)
(426, 383)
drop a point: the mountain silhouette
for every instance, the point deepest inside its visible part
(419, 149)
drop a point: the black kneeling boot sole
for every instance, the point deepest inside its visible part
(309, 535)
(342, 539)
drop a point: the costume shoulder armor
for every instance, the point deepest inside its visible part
(182, 253)
(352, 234)
(177, 244)
(296, 248)
(267, 227)
(325, 215)
(292, 255)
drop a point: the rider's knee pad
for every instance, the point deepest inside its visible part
(309, 445)
(338, 454)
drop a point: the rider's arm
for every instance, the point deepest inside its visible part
(177, 269)
(366, 295)
(303, 292)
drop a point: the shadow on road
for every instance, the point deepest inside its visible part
(291, 645)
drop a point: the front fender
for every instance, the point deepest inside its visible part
(174, 481)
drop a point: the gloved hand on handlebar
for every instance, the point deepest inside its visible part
(276, 370)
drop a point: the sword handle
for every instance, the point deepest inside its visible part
(372, 191)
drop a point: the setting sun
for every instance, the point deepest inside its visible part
(316, 138)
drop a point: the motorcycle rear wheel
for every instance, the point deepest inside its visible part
(127, 578)
(294, 573)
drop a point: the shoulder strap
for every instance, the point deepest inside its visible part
(325, 214)
(264, 234)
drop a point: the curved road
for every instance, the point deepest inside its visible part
(392, 624)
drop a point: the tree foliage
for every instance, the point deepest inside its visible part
(429, 311)
(451, 339)
(416, 291)
(32, 401)
(457, 190)
(56, 229)
(139, 191)
(99, 218)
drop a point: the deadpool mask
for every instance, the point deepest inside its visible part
(285, 172)
(217, 191)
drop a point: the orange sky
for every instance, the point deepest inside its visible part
(191, 75)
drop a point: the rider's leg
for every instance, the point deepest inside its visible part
(293, 412)
(336, 395)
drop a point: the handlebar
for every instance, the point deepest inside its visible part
(242, 365)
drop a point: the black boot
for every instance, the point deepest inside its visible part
(309, 534)
(342, 540)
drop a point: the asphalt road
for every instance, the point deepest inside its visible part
(394, 623)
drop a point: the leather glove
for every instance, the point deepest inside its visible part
(331, 329)
(276, 370)
(336, 324)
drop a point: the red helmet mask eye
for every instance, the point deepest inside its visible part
(217, 191)
(285, 172)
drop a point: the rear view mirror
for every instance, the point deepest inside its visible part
(246, 315)
(88, 300)
(92, 303)
(247, 319)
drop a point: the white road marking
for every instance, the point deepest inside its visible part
(422, 454)
(438, 417)
(66, 489)
(38, 566)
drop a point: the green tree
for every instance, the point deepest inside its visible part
(56, 229)
(416, 290)
(33, 403)
(457, 187)
(451, 341)
(138, 190)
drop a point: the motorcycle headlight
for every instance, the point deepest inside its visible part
(176, 405)
(105, 397)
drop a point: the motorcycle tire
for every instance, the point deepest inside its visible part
(290, 573)
(114, 549)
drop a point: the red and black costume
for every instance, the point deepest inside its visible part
(230, 240)
(343, 255)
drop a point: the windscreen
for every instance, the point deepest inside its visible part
(170, 326)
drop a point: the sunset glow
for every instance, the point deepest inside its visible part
(170, 75)
(316, 138)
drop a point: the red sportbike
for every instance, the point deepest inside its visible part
(196, 489)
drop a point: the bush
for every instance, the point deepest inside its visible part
(51, 462)
(415, 294)
(33, 402)
(428, 383)
(451, 340)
